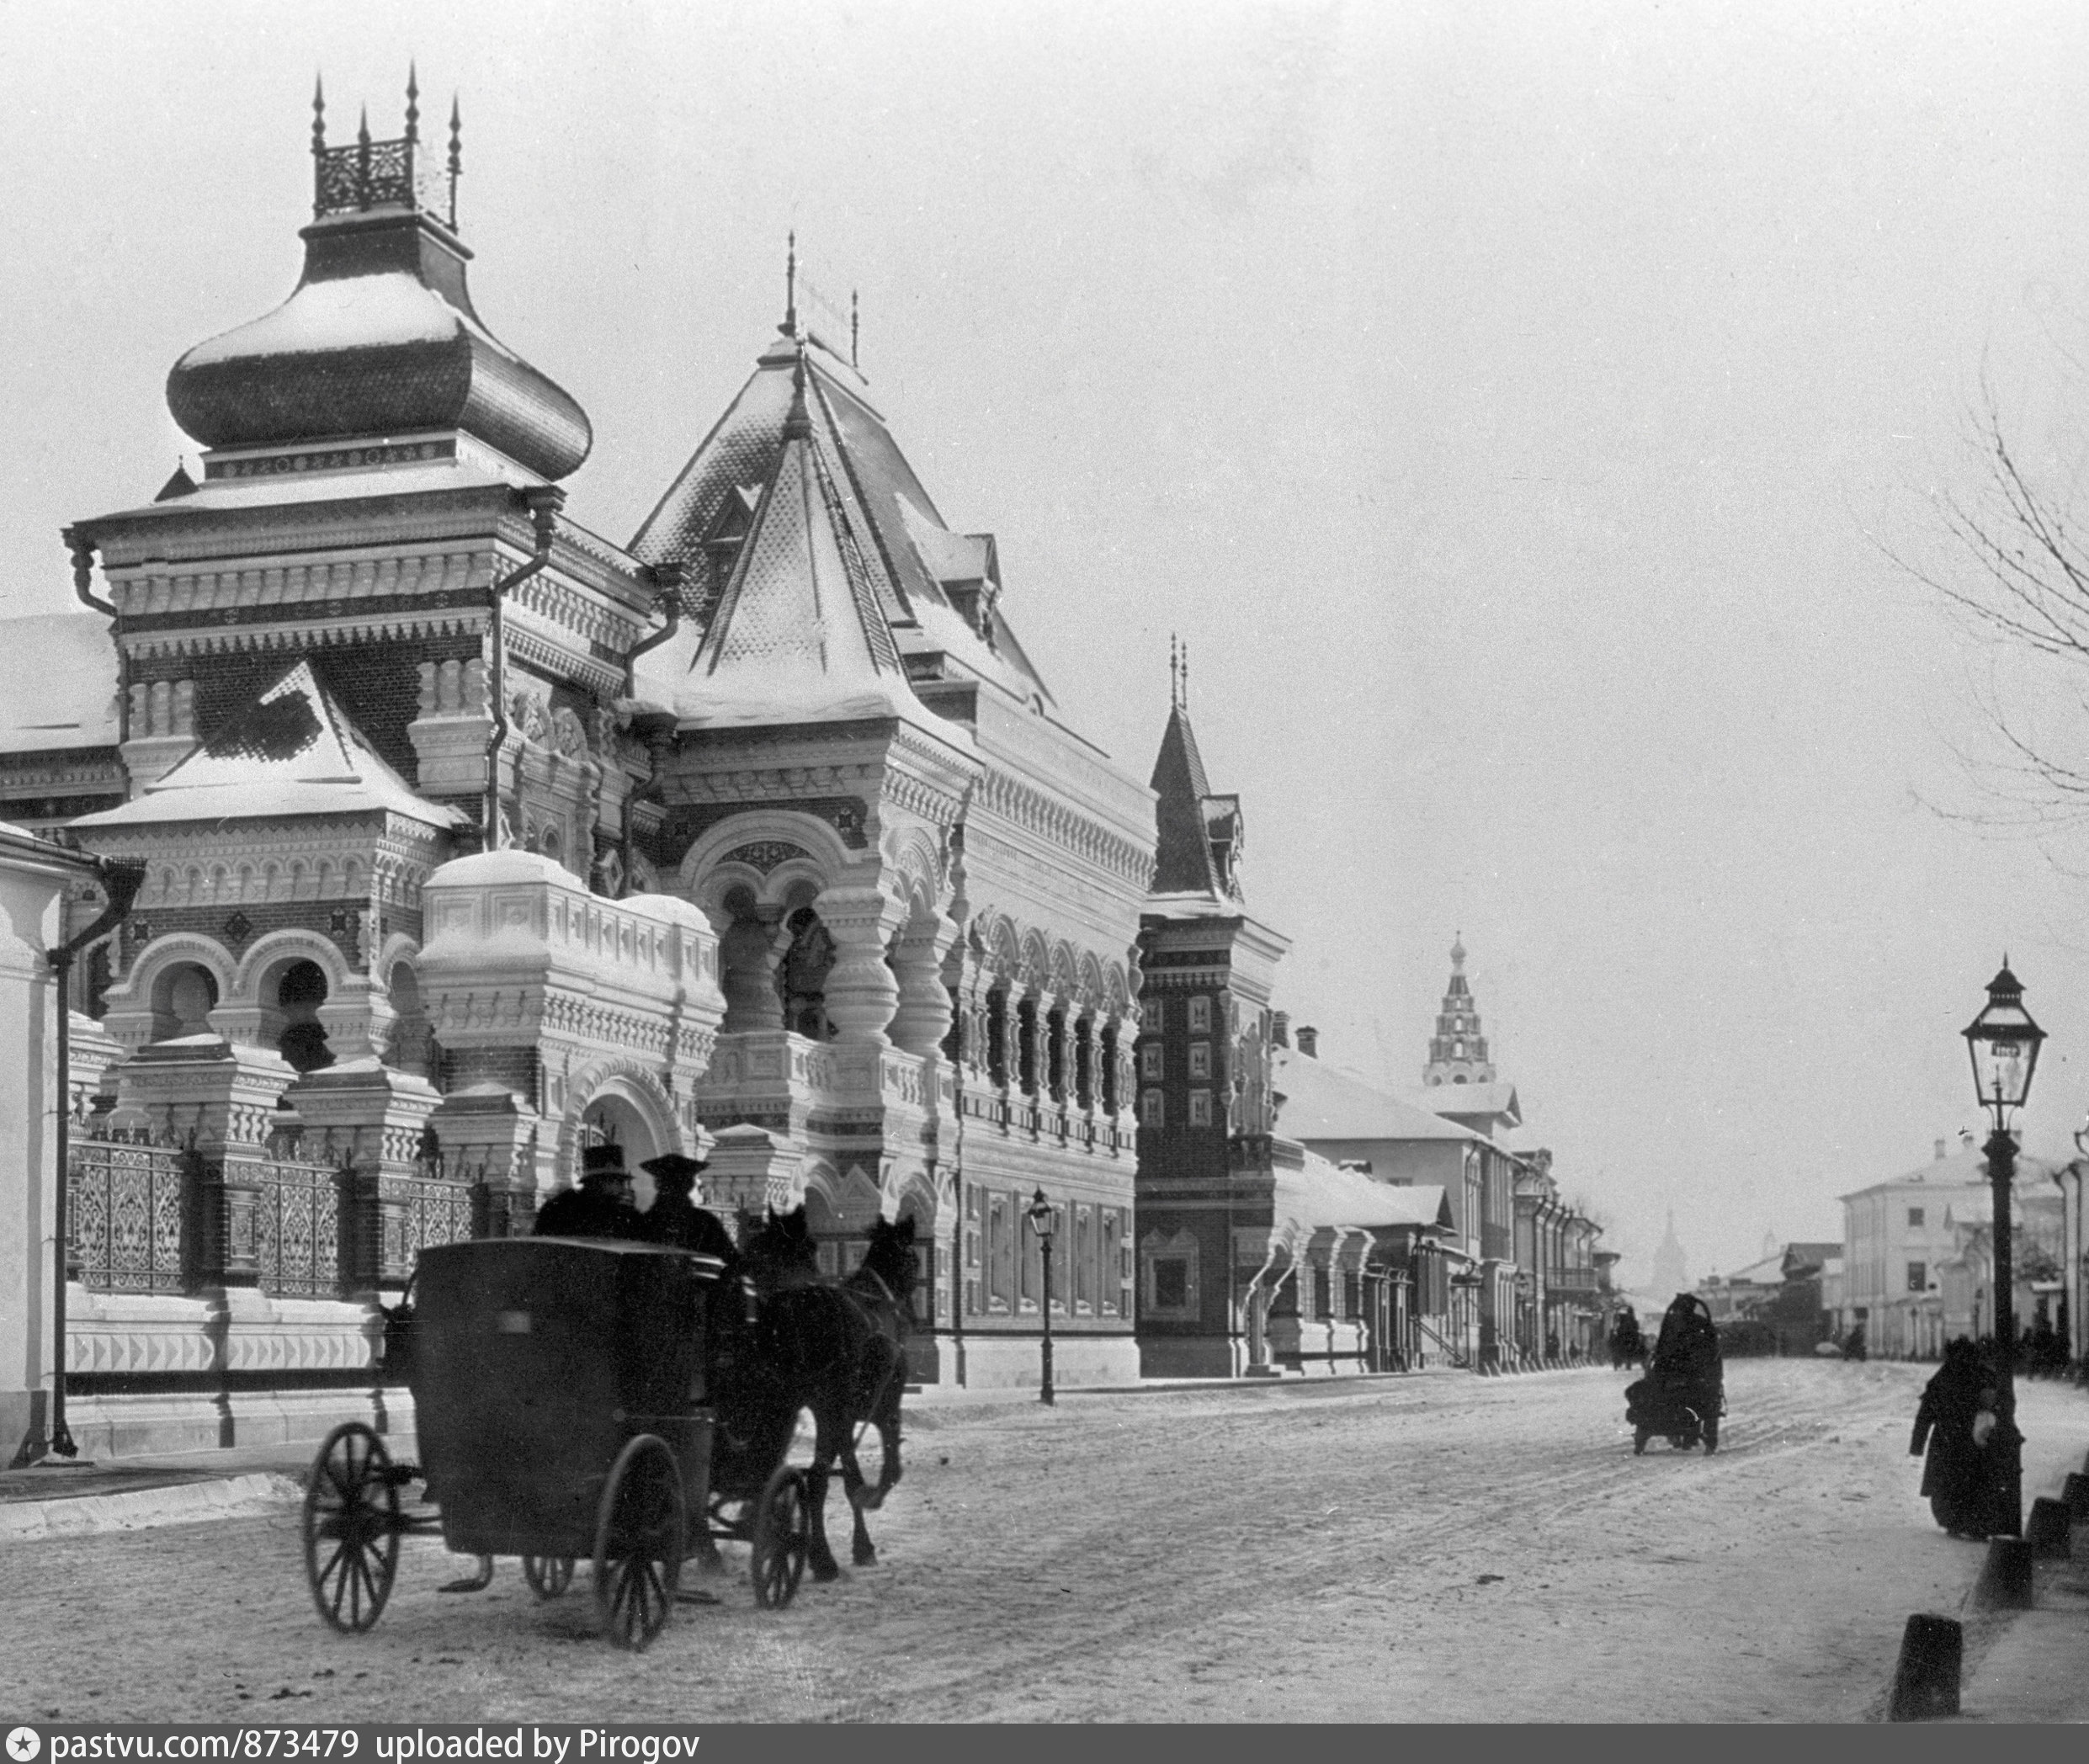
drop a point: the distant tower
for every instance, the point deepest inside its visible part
(1458, 1051)
(1671, 1273)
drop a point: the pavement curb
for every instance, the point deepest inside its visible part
(72, 1515)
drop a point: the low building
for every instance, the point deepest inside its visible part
(1898, 1235)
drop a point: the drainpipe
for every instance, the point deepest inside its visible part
(82, 550)
(545, 501)
(121, 877)
(668, 578)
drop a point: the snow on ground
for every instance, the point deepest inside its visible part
(1435, 1547)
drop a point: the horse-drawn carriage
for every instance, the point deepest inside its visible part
(612, 1402)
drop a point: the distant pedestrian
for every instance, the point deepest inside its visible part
(1954, 1473)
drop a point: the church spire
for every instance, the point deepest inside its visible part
(1458, 1051)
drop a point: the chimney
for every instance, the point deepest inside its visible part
(1309, 1041)
(1940, 1151)
(1280, 1028)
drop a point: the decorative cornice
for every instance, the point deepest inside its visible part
(302, 635)
(1065, 827)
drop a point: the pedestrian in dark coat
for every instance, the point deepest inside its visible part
(1954, 1476)
(674, 1219)
(600, 1207)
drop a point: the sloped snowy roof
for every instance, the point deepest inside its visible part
(1323, 1101)
(1335, 1196)
(799, 634)
(292, 753)
(1496, 1100)
(57, 683)
(907, 547)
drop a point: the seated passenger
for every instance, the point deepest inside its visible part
(674, 1219)
(600, 1207)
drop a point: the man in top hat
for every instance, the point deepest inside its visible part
(674, 1219)
(600, 1207)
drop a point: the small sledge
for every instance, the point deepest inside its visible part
(1683, 1394)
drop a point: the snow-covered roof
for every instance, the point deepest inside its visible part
(1323, 1101)
(379, 339)
(278, 490)
(800, 635)
(1349, 1199)
(1497, 1101)
(57, 683)
(907, 548)
(293, 752)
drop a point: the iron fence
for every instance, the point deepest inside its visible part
(128, 1206)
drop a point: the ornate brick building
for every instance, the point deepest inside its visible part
(471, 836)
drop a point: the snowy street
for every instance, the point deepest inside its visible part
(1433, 1548)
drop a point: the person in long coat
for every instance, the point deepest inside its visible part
(1953, 1476)
(674, 1219)
(600, 1207)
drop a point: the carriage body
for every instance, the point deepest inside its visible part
(1682, 1395)
(535, 1360)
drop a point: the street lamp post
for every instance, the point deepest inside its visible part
(2004, 1043)
(1043, 1219)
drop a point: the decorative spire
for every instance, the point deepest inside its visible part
(798, 425)
(854, 327)
(319, 117)
(1178, 673)
(1458, 951)
(456, 143)
(413, 103)
(789, 326)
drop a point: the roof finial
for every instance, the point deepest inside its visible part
(1185, 676)
(798, 425)
(789, 326)
(854, 326)
(319, 117)
(413, 104)
(456, 137)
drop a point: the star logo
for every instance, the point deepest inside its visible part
(24, 1743)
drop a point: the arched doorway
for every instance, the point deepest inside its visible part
(612, 1119)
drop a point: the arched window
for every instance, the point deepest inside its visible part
(802, 976)
(183, 995)
(300, 989)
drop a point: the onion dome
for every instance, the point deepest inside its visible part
(379, 338)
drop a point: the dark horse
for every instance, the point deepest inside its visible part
(834, 1349)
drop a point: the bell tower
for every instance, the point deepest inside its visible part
(1458, 1051)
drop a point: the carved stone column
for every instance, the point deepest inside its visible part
(358, 1018)
(747, 955)
(922, 1019)
(861, 993)
(226, 1096)
(750, 1170)
(370, 1117)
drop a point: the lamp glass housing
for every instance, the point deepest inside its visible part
(1042, 1216)
(2004, 1042)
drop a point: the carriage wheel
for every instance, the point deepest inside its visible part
(782, 1533)
(548, 1575)
(352, 1529)
(639, 1542)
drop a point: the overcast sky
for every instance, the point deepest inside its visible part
(1507, 403)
